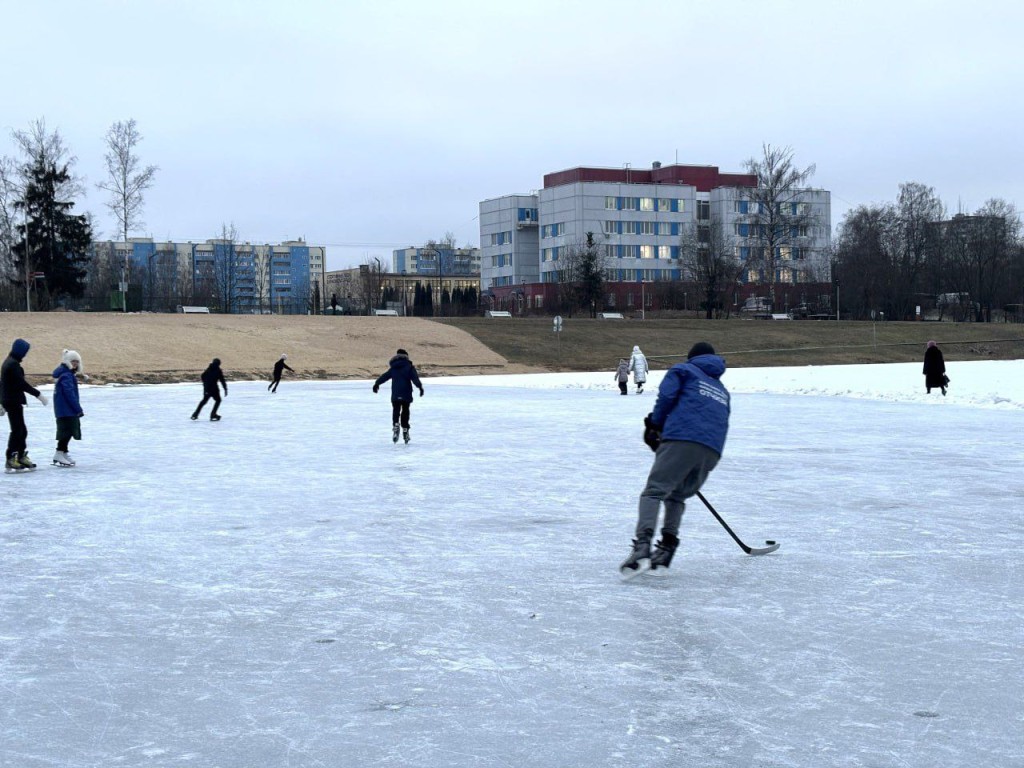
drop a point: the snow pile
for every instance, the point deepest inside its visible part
(984, 384)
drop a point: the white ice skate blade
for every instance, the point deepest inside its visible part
(62, 464)
(642, 566)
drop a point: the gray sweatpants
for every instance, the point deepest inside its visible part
(680, 469)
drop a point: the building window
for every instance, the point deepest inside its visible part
(611, 227)
(703, 210)
(664, 228)
(646, 251)
(647, 227)
(538, 301)
(664, 204)
(664, 252)
(610, 204)
(630, 203)
(646, 203)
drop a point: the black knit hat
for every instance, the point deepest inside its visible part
(700, 348)
(402, 352)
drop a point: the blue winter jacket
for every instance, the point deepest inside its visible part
(693, 405)
(403, 375)
(65, 393)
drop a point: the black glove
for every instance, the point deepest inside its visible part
(652, 435)
(375, 388)
(421, 391)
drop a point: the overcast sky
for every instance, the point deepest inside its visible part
(367, 126)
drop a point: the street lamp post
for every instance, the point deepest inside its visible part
(643, 302)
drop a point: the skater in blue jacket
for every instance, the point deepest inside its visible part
(402, 374)
(66, 406)
(687, 431)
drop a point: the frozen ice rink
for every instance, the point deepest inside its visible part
(288, 588)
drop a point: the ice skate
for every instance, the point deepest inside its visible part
(194, 416)
(663, 552)
(639, 559)
(62, 459)
(640, 389)
(25, 461)
(215, 417)
(394, 433)
(12, 465)
(405, 436)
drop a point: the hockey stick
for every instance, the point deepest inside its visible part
(772, 546)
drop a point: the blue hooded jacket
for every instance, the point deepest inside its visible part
(65, 393)
(693, 405)
(403, 375)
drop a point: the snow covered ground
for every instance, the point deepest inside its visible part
(288, 588)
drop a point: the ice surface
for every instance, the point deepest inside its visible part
(289, 588)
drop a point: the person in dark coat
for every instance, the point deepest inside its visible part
(211, 377)
(279, 367)
(934, 368)
(687, 431)
(402, 374)
(13, 389)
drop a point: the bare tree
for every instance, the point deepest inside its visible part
(708, 259)
(126, 180)
(46, 149)
(777, 215)
(225, 270)
(9, 193)
(370, 285)
(263, 271)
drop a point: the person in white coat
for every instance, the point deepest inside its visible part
(638, 365)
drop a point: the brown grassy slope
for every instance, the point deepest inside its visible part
(594, 345)
(145, 348)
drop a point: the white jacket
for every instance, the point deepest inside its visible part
(638, 365)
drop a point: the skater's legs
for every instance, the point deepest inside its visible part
(202, 404)
(274, 383)
(680, 469)
(673, 517)
(405, 415)
(216, 404)
(396, 411)
(622, 387)
(19, 432)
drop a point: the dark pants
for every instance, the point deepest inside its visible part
(207, 396)
(680, 469)
(273, 385)
(19, 432)
(400, 412)
(623, 387)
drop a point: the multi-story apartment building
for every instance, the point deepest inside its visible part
(426, 261)
(639, 219)
(287, 278)
(509, 241)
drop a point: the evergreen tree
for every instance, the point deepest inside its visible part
(54, 241)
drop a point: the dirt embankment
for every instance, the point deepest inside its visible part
(151, 349)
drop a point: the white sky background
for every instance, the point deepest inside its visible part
(371, 126)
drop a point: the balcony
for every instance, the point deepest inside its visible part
(527, 224)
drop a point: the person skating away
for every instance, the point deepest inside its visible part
(686, 430)
(211, 377)
(639, 368)
(13, 389)
(402, 374)
(279, 367)
(934, 369)
(67, 407)
(622, 376)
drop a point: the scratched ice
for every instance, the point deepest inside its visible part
(287, 587)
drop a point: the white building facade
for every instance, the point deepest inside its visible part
(639, 218)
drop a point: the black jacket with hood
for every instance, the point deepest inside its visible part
(12, 377)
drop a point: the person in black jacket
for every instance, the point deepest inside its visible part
(934, 369)
(211, 377)
(403, 375)
(279, 367)
(13, 388)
